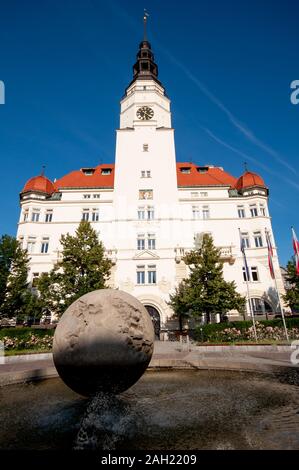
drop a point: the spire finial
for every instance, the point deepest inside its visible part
(145, 17)
(43, 170)
(245, 166)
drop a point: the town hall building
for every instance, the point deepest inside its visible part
(149, 209)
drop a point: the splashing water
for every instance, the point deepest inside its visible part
(107, 420)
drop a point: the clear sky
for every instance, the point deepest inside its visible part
(226, 65)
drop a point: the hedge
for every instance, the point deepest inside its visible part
(212, 331)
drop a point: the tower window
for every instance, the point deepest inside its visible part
(195, 212)
(253, 210)
(25, 215)
(145, 147)
(35, 215)
(241, 212)
(205, 212)
(49, 216)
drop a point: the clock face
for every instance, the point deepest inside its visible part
(145, 113)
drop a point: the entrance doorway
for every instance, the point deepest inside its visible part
(155, 316)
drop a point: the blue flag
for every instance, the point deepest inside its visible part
(244, 258)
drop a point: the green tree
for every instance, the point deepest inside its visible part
(291, 297)
(83, 268)
(8, 246)
(17, 292)
(205, 291)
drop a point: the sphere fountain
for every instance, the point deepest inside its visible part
(103, 342)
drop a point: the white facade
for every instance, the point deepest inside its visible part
(151, 214)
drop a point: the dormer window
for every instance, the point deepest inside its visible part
(106, 171)
(186, 170)
(202, 169)
(88, 171)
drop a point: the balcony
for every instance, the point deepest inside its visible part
(227, 253)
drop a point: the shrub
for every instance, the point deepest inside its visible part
(243, 331)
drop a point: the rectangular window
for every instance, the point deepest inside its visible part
(85, 215)
(254, 274)
(106, 171)
(45, 245)
(204, 194)
(151, 241)
(253, 210)
(148, 174)
(49, 216)
(195, 212)
(245, 275)
(34, 281)
(140, 274)
(96, 196)
(35, 215)
(262, 210)
(95, 215)
(141, 213)
(142, 174)
(150, 213)
(257, 306)
(245, 237)
(241, 212)
(194, 194)
(86, 196)
(186, 170)
(141, 242)
(258, 241)
(31, 244)
(25, 215)
(145, 147)
(151, 274)
(205, 212)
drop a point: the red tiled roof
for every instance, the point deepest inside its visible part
(77, 179)
(40, 184)
(249, 179)
(195, 176)
(204, 176)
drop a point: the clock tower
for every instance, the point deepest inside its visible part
(145, 184)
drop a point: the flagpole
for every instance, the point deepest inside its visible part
(248, 296)
(276, 287)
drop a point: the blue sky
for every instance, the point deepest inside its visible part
(226, 65)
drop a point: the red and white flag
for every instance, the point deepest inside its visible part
(296, 250)
(270, 254)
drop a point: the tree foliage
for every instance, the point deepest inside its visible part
(16, 291)
(83, 268)
(205, 291)
(8, 246)
(291, 297)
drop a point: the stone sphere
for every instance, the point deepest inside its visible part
(103, 342)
